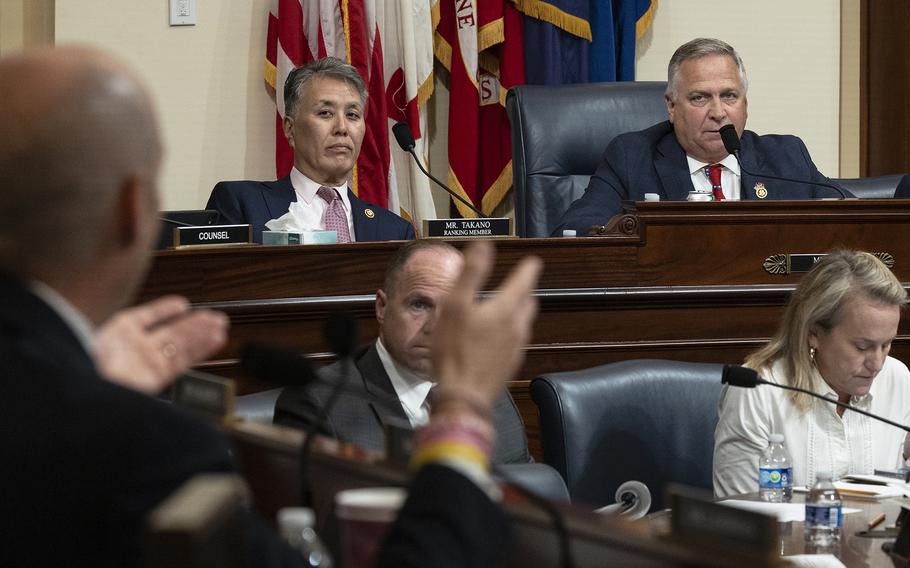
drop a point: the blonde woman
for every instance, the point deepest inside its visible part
(834, 339)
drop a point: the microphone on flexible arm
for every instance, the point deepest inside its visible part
(633, 500)
(732, 145)
(340, 332)
(738, 376)
(175, 222)
(405, 139)
(284, 366)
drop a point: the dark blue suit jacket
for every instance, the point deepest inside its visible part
(257, 202)
(652, 161)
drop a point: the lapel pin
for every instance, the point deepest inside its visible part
(761, 191)
(369, 213)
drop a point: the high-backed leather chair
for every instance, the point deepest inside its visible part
(649, 420)
(559, 134)
(876, 187)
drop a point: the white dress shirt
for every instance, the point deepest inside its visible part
(412, 389)
(817, 439)
(311, 214)
(730, 178)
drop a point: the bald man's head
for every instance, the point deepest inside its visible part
(75, 126)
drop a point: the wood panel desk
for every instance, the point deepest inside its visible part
(268, 458)
(674, 280)
(853, 550)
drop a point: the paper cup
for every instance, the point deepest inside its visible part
(364, 518)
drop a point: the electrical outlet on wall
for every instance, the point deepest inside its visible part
(183, 12)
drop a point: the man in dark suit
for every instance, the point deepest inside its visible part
(391, 379)
(324, 124)
(84, 458)
(706, 89)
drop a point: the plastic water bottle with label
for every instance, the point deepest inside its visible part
(823, 512)
(775, 472)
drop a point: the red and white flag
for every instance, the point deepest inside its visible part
(407, 32)
(396, 77)
(480, 43)
(297, 34)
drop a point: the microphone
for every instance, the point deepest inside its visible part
(341, 333)
(405, 139)
(633, 500)
(732, 145)
(738, 376)
(277, 365)
(173, 222)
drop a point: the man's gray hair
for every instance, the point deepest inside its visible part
(326, 67)
(696, 49)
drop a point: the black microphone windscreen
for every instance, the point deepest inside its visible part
(276, 365)
(729, 137)
(403, 136)
(739, 376)
(341, 334)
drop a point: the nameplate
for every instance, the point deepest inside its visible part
(700, 522)
(467, 228)
(212, 235)
(208, 395)
(802, 263)
(299, 238)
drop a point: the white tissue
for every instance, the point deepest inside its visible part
(290, 221)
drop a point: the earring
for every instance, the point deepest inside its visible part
(812, 351)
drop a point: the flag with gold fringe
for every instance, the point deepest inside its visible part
(480, 43)
(398, 78)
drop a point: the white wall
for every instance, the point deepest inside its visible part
(792, 55)
(217, 118)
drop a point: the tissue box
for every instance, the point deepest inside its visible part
(301, 238)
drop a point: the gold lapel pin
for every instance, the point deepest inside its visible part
(761, 191)
(369, 213)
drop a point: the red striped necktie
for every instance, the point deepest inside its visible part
(713, 172)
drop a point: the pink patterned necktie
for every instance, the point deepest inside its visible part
(334, 217)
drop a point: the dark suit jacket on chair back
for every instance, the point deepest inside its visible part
(558, 137)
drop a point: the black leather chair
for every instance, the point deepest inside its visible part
(876, 187)
(559, 134)
(648, 420)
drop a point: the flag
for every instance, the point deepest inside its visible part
(616, 27)
(297, 34)
(480, 43)
(556, 40)
(407, 32)
(398, 78)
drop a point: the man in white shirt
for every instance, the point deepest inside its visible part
(394, 375)
(324, 123)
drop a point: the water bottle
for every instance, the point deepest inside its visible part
(823, 512)
(775, 472)
(296, 527)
